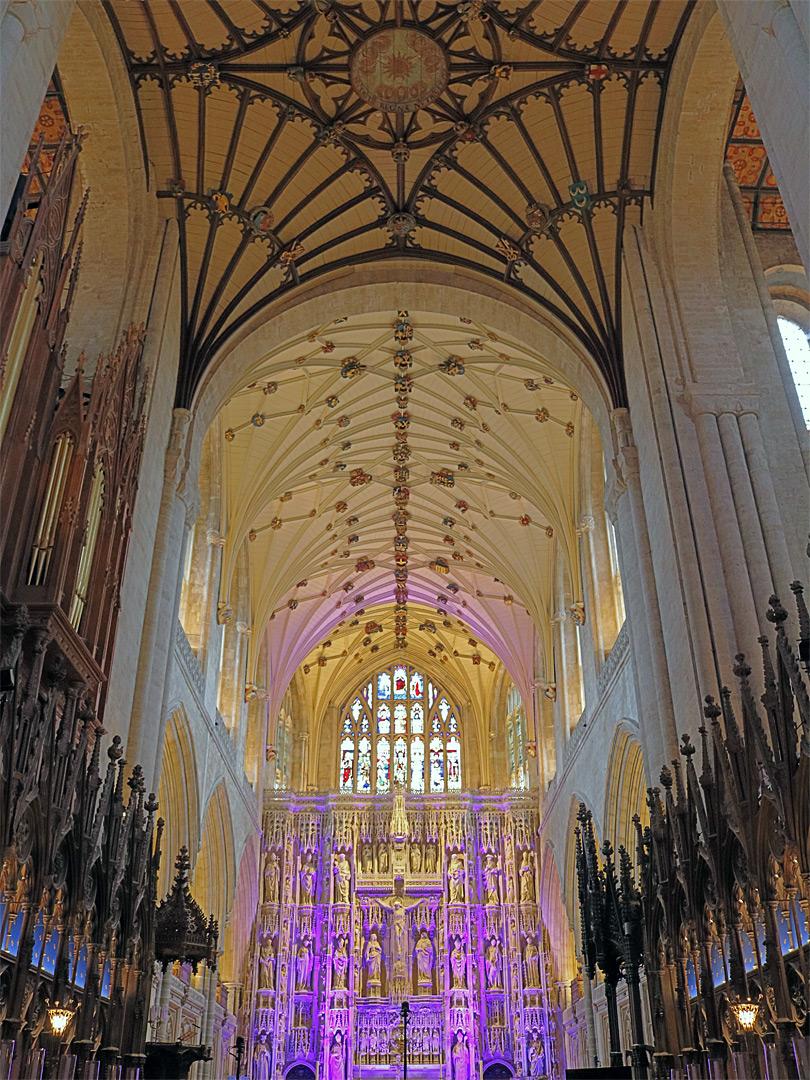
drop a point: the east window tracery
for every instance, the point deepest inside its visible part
(400, 729)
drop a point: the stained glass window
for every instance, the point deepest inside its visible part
(347, 765)
(383, 741)
(453, 764)
(400, 682)
(417, 766)
(364, 766)
(400, 718)
(400, 761)
(436, 764)
(417, 719)
(383, 765)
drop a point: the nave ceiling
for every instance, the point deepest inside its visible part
(291, 140)
(311, 485)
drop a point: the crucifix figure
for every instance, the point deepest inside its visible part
(398, 904)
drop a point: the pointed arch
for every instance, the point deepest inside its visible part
(555, 917)
(178, 796)
(236, 937)
(625, 794)
(214, 881)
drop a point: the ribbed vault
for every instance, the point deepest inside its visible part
(514, 140)
(311, 486)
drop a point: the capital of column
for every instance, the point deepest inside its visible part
(697, 399)
(213, 539)
(586, 524)
(243, 628)
(559, 617)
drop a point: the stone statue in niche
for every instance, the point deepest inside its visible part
(267, 957)
(382, 858)
(340, 964)
(263, 1063)
(458, 965)
(337, 1059)
(455, 874)
(416, 859)
(308, 877)
(461, 1058)
(430, 859)
(531, 956)
(343, 878)
(527, 890)
(271, 878)
(374, 961)
(493, 964)
(490, 874)
(367, 859)
(303, 966)
(424, 959)
(537, 1056)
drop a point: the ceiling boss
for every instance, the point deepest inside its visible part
(399, 69)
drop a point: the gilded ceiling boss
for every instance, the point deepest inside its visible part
(405, 476)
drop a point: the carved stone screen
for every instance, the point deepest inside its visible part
(368, 902)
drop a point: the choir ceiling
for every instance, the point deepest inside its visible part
(310, 487)
(294, 139)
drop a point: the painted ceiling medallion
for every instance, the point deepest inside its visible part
(399, 69)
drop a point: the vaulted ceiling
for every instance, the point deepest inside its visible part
(294, 138)
(415, 451)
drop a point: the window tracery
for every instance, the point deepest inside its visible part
(516, 740)
(400, 729)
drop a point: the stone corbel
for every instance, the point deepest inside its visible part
(578, 612)
(224, 612)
